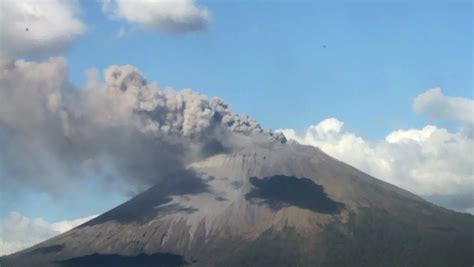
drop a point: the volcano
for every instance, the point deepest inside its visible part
(265, 204)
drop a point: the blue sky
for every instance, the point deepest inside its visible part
(287, 65)
(293, 64)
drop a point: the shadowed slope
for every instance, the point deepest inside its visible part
(279, 191)
(144, 206)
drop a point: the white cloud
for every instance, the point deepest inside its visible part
(171, 16)
(19, 232)
(426, 161)
(38, 28)
(66, 225)
(437, 105)
(469, 210)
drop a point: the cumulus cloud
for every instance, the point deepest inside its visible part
(170, 16)
(437, 105)
(431, 161)
(122, 127)
(19, 232)
(38, 28)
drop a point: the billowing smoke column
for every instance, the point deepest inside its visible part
(53, 134)
(177, 113)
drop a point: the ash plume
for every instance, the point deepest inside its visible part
(122, 127)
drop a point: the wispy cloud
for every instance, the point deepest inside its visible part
(121, 32)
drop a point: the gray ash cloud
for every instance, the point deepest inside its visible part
(121, 127)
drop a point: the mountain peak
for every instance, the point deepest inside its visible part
(263, 197)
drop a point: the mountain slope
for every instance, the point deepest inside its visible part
(266, 204)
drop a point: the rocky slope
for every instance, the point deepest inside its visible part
(266, 204)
